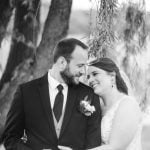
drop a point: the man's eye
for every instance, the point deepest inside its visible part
(80, 66)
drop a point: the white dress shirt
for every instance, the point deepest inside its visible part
(53, 83)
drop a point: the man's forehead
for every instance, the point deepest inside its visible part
(79, 51)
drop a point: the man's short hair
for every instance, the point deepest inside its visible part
(66, 47)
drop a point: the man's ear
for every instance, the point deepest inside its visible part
(62, 62)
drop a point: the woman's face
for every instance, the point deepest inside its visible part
(99, 80)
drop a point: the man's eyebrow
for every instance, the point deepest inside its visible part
(81, 64)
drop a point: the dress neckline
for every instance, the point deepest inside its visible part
(114, 105)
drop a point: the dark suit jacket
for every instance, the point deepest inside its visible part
(31, 112)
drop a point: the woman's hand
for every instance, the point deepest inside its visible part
(103, 147)
(64, 147)
(106, 147)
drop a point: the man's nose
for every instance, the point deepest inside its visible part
(83, 70)
(90, 82)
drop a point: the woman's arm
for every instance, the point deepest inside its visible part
(125, 124)
(103, 147)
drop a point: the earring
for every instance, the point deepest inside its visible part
(113, 83)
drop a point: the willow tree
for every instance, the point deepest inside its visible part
(135, 35)
(56, 27)
(107, 40)
(102, 36)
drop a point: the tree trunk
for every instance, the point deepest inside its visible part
(56, 28)
(5, 14)
(24, 37)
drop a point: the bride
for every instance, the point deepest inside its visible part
(121, 122)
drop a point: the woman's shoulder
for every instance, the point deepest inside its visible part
(129, 100)
(129, 105)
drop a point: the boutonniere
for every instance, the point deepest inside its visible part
(86, 108)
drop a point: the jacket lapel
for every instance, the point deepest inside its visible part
(72, 93)
(45, 100)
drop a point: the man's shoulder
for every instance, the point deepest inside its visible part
(83, 86)
(33, 82)
(87, 90)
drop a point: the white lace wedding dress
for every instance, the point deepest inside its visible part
(106, 127)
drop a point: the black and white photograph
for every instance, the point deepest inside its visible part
(75, 75)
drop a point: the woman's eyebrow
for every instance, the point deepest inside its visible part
(94, 72)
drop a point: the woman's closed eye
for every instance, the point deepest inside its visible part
(94, 74)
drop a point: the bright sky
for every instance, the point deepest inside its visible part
(86, 4)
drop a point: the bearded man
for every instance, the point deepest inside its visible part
(48, 110)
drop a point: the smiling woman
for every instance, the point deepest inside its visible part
(121, 122)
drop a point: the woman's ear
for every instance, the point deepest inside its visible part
(113, 76)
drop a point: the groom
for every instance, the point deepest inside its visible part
(48, 109)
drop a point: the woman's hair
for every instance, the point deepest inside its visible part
(108, 65)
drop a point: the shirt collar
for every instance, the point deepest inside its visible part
(53, 83)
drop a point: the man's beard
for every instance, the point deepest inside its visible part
(68, 77)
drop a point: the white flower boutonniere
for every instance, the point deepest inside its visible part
(86, 108)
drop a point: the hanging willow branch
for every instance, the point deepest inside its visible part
(135, 37)
(102, 36)
(135, 23)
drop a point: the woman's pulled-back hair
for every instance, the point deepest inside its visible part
(108, 65)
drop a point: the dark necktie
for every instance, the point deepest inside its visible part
(58, 104)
